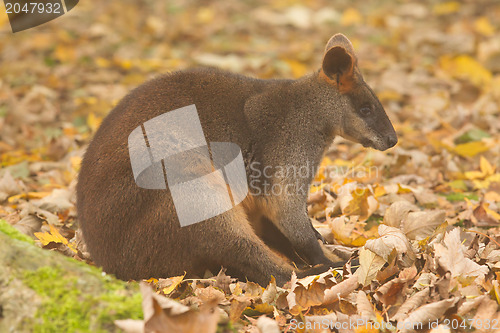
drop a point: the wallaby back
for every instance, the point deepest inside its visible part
(135, 232)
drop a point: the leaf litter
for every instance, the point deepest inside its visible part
(423, 217)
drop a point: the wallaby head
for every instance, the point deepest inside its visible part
(362, 118)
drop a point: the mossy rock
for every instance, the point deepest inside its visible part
(44, 291)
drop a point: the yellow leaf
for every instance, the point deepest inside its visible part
(483, 26)
(367, 328)
(102, 62)
(205, 15)
(494, 178)
(315, 189)
(379, 191)
(465, 67)
(484, 184)
(264, 308)
(389, 95)
(446, 8)
(133, 79)
(403, 189)
(75, 161)
(470, 149)
(237, 290)
(29, 195)
(65, 53)
(491, 212)
(326, 161)
(93, 122)
(486, 167)
(176, 280)
(3, 19)
(486, 170)
(481, 184)
(351, 16)
(90, 100)
(359, 203)
(53, 236)
(492, 196)
(298, 68)
(341, 162)
(474, 175)
(124, 63)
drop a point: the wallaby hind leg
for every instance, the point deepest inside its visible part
(241, 251)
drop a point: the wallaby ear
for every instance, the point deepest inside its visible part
(339, 62)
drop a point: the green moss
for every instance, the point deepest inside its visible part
(13, 232)
(68, 305)
(456, 196)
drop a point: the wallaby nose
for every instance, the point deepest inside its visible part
(392, 140)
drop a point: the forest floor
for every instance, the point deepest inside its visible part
(424, 216)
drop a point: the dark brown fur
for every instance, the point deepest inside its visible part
(134, 232)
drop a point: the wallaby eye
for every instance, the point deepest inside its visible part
(365, 111)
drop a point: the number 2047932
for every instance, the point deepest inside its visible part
(33, 7)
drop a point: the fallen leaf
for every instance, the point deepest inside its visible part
(426, 314)
(471, 149)
(420, 225)
(340, 290)
(397, 212)
(267, 325)
(53, 236)
(351, 16)
(170, 284)
(392, 238)
(364, 307)
(451, 257)
(369, 265)
(411, 304)
(8, 186)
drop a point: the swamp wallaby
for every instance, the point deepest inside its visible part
(135, 232)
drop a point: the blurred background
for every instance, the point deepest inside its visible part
(435, 66)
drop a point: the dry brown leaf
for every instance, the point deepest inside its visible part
(307, 292)
(420, 225)
(271, 293)
(364, 307)
(340, 290)
(451, 256)
(29, 225)
(316, 197)
(486, 313)
(130, 325)
(8, 186)
(408, 273)
(410, 304)
(426, 198)
(483, 216)
(238, 305)
(391, 292)
(318, 323)
(392, 238)
(267, 325)
(397, 212)
(162, 314)
(57, 201)
(222, 281)
(426, 314)
(369, 265)
(470, 305)
(210, 294)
